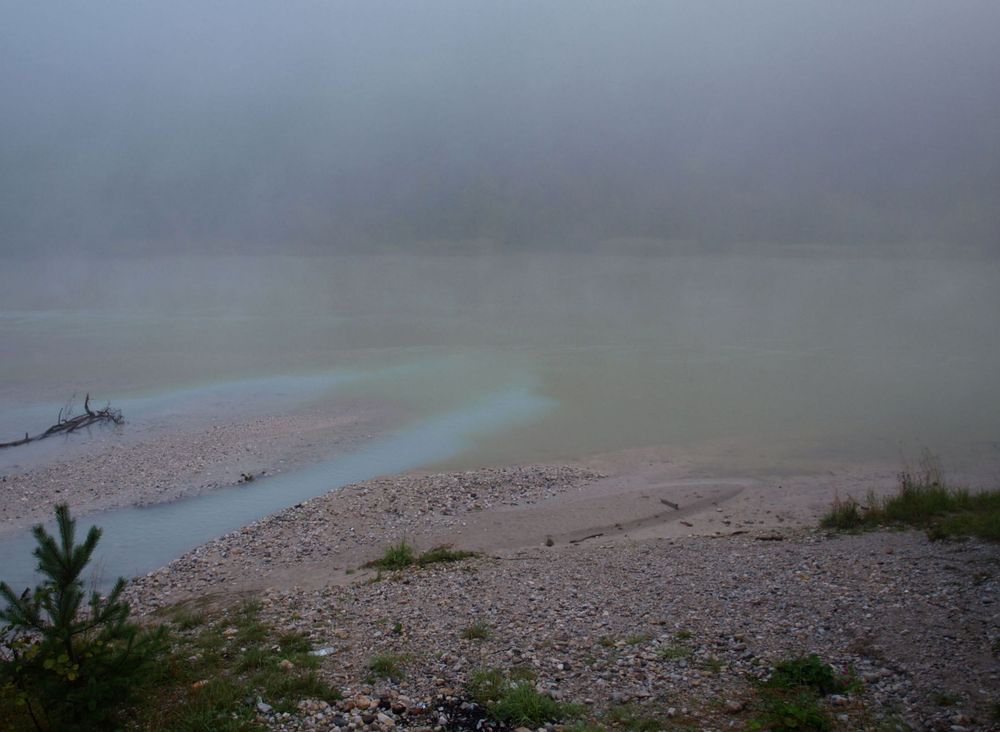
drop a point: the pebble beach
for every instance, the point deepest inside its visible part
(675, 616)
(639, 580)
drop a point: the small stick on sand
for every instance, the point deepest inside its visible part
(592, 536)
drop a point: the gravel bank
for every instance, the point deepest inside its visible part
(139, 464)
(676, 626)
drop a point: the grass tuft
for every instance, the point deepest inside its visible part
(637, 638)
(923, 501)
(789, 699)
(844, 515)
(222, 661)
(386, 666)
(396, 556)
(632, 718)
(809, 672)
(487, 685)
(402, 555)
(516, 702)
(781, 710)
(674, 651)
(443, 554)
(477, 631)
(524, 705)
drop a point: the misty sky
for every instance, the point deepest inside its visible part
(285, 126)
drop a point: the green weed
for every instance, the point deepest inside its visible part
(637, 638)
(386, 666)
(781, 710)
(477, 631)
(515, 701)
(674, 651)
(213, 677)
(809, 672)
(523, 705)
(631, 718)
(395, 556)
(443, 554)
(923, 500)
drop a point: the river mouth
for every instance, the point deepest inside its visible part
(139, 539)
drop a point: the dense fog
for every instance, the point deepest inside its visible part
(503, 126)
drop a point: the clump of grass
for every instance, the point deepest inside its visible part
(521, 673)
(789, 699)
(223, 661)
(402, 554)
(443, 554)
(674, 651)
(790, 711)
(395, 556)
(516, 701)
(809, 672)
(477, 631)
(923, 500)
(637, 638)
(487, 685)
(631, 718)
(712, 665)
(187, 620)
(583, 726)
(844, 515)
(683, 635)
(386, 666)
(522, 704)
(945, 698)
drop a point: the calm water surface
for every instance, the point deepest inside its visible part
(758, 361)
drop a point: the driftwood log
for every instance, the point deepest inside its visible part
(67, 422)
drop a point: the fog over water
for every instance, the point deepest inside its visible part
(767, 229)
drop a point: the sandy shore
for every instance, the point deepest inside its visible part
(590, 574)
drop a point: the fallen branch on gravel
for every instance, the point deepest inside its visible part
(66, 423)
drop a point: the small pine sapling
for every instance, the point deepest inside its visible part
(69, 666)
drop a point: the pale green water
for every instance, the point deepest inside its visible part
(776, 357)
(753, 363)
